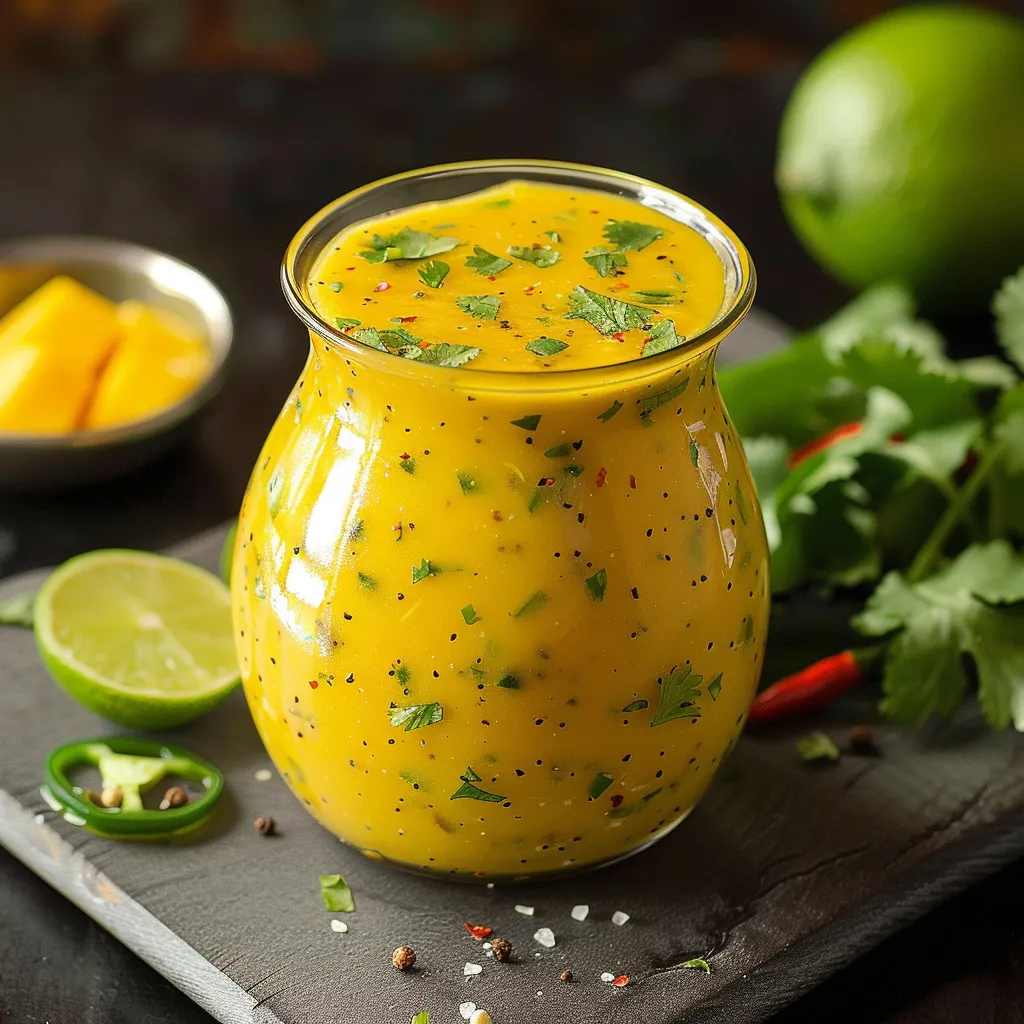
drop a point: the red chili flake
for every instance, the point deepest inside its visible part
(404, 456)
(617, 799)
(313, 684)
(350, 268)
(528, 290)
(491, 277)
(621, 981)
(546, 481)
(602, 475)
(595, 211)
(397, 528)
(382, 287)
(619, 336)
(407, 319)
(632, 481)
(478, 931)
(620, 284)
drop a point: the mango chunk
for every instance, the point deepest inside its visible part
(52, 348)
(153, 367)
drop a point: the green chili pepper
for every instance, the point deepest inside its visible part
(133, 766)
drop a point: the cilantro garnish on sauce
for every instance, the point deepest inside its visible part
(483, 307)
(542, 256)
(628, 234)
(663, 337)
(546, 346)
(596, 585)
(433, 272)
(604, 260)
(424, 570)
(599, 785)
(407, 245)
(608, 315)
(486, 263)
(680, 691)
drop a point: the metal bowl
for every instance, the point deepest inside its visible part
(118, 270)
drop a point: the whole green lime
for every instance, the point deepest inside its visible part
(901, 153)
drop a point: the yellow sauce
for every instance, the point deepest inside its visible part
(496, 631)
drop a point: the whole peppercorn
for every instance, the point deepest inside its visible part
(502, 949)
(566, 975)
(174, 797)
(404, 957)
(264, 825)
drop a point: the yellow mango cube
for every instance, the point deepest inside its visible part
(153, 367)
(53, 346)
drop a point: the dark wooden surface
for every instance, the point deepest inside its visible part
(219, 171)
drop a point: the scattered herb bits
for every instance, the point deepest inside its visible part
(336, 894)
(817, 747)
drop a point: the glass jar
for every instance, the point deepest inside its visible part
(531, 654)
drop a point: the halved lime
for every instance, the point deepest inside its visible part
(143, 640)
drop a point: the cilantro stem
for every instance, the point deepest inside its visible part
(996, 508)
(957, 509)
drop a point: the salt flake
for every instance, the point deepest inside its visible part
(466, 1010)
(619, 917)
(545, 936)
(471, 969)
(528, 911)
(579, 913)
(263, 775)
(339, 926)
(607, 977)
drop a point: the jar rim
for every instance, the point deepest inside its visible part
(741, 279)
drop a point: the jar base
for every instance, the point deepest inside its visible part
(484, 878)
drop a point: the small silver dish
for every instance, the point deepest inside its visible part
(120, 271)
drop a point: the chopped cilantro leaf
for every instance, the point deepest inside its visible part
(433, 273)
(636, 705)
(545, 320)
(694, 453)
(483, 307)
(715, 687)
(486, 263)
(599, 785)
(498, 204)
(366, 581)
(530, 423)
(557, 452)
(533, 603)
(610, 411)
(423, 570)
(466, 481)
(604, 260)
(18, 610)
(663, 337)
(628, 234)
(423, 1017)
(607, 315)
(596, 585)
(370, 336)
(416, 716)
(407, 245)
(509, 681)
(469, 615)
(972, 607)
(335, 286)
(657, 296)
(444, 354)
(816, 746)
(409, 465)
(541, 256)
(346, 322)
(468, 791)
(336, 893)
(546, 346)
(396, 337)
(696, 964)
(651, 402)
(572, 470)
(402, 675)
(680, 691)
(553, 235)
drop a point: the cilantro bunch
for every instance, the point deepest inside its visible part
(881, 462)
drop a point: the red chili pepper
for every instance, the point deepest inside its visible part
(407, 319)
(813, 687)
(478, 931)
(819, 444)
(621, 981)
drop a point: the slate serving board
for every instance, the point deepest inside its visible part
(781, 876)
